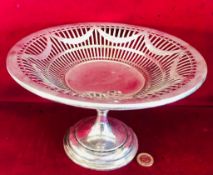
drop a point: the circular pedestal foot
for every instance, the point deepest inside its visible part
(101, 147)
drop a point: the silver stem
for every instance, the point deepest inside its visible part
(102, 117)
(101, 126)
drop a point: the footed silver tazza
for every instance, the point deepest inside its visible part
(105, 67)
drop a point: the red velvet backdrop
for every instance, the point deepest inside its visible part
(179, 136)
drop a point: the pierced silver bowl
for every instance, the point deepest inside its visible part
(105, 67)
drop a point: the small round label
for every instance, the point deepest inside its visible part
(145, 160)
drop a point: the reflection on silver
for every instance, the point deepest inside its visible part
(100, 144)
(171, 68)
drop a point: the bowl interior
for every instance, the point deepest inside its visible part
(107, 63)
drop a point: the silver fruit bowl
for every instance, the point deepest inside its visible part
(105, 66)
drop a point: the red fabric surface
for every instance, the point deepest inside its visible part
(179, 136)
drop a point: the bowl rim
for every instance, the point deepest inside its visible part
(41, 91)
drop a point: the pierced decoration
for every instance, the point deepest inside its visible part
(106, 67)
(167, 64)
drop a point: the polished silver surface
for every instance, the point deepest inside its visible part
(105, 66)
(101, 144)
(169, 68)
